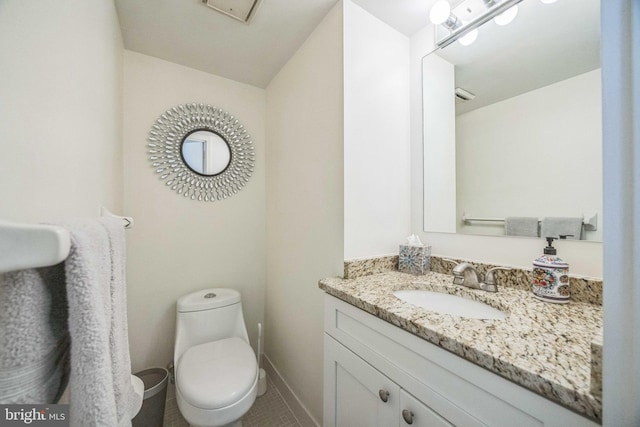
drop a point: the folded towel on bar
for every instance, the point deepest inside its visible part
(561, 226)
(83, 299)
(101, 393)
(521, 226)
(34, 343)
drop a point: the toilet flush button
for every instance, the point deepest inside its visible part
(210, 295)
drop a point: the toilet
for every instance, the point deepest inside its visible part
(216, 370)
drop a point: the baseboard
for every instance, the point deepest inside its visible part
(299, 410)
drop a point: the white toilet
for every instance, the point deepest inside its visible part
(215, 367)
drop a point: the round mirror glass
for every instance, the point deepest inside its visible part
(205, 152)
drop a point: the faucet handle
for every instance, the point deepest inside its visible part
(489, 278)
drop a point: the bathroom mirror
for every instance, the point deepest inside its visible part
(205, 152)
(201, 152)
(512, 122)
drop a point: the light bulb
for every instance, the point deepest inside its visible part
(506, 17)
(440, 12)
(469, 38)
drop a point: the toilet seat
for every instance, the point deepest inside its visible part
(216, 374)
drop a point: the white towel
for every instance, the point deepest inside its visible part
(83, 298)
(100, 384)
(521, 226)
(34, 340)
(561, 226)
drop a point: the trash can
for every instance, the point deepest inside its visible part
(155, 393)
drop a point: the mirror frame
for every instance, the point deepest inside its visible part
(165, 151)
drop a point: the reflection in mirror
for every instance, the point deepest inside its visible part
(512, 124)
(205, 152)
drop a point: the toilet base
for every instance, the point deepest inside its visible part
(223, 417)
(236, 424)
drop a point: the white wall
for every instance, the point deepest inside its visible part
(377, 181)
(304, 205)
(179, 245)
(621, 103)
(60, 123)
(553, 138)
(584, 258)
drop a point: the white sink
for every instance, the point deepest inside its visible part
(450, 304)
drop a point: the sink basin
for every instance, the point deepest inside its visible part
(450, 304)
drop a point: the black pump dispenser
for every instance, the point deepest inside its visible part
(550, 250)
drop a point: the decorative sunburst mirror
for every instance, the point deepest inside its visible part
(201, 152)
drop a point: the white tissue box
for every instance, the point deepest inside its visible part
(414, 259)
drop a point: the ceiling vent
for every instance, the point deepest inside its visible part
(464, 95)
(242, 10)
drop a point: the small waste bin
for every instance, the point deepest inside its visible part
(155, 393)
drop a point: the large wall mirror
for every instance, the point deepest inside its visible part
(512, 122)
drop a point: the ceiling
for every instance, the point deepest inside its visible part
(406, 16)
(189, 33)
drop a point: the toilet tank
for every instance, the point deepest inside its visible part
(208, 315)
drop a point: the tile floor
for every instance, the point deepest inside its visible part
(269, 410)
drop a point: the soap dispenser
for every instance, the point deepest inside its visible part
(551, 276)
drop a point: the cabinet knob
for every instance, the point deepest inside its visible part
(384, 395)
(408, 416)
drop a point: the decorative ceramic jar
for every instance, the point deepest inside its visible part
(551, 279)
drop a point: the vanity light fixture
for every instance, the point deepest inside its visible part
(467, 32)
(507, 17)
(469, 38)
(440, 14)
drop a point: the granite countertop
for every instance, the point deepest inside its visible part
(541, 346)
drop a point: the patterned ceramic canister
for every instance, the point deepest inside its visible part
(414, 259)
(551, 279)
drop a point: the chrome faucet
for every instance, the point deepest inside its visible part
(465, 274)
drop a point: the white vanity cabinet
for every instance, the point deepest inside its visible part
(376, 374)
(364, 397)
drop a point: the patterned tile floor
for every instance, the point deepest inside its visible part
(269, 410)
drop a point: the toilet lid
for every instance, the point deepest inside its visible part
(216, 374)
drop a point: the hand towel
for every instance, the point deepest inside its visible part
(521, 226)
(101, 393)
(34, 342)
(81, 301)
(119, 339)
(561, 226)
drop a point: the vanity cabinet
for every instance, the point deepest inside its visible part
(376, 374)
(364, 397)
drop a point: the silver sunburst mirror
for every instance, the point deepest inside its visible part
(201, 152)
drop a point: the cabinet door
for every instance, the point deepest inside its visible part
(416, 414)
(356, 394)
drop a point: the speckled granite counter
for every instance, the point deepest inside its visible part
(543, 347)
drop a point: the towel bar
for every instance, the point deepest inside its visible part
(127, 220)
(37, 245)
(590, 221)
(32, 245)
